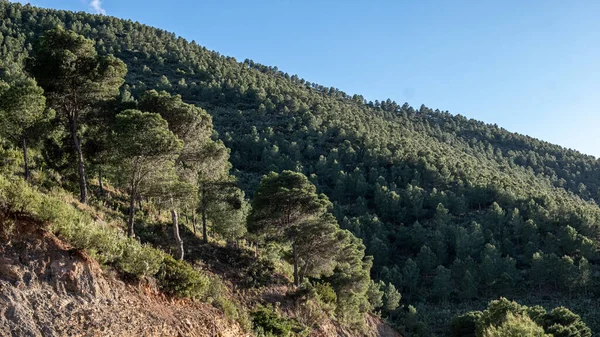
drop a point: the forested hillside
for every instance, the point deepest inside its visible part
(453, 211)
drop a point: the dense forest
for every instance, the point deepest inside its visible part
(416, 214)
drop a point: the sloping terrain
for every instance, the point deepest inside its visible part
(48, 289)
(252, 281)
(452, 210)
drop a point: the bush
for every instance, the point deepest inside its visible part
(19, 197)
(465, 325)
(141, 260)
(326, 293)
(513, 326)
(508, 318)
(562, 322)
(11, 160)
(496, 313)
(214, 295)
(179, 278)
(411, 325)
(266, 321)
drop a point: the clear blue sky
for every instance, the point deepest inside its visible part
(532, 66)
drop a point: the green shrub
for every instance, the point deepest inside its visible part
(179, 278)
(141, 260)
(228, 307)
(515, 325)
(326, 292)
(562, 322)
(214, 295)
(465, 325)
(411, 324)
(526, 321)
(496, 312)
(19, 197)
(266, 321)
(11, 160)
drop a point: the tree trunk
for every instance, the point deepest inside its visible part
(101, 185)
(304, 269)
(194, 221)
(80, 162)
(295, 251)
(130, 221)
(176, 234)
(25, 158)
(203, 207)
(204, 234)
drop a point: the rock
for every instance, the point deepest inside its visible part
(9, 271)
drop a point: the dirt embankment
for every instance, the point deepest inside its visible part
(48, 289)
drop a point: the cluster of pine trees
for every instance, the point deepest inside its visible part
(451, 209)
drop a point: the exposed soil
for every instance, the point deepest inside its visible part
(48, 289)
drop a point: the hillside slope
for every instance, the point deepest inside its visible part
(50, 289)
(452, 210)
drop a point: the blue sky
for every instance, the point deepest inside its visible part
(532, 67)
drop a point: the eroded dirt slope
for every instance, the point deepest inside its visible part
(48, 289)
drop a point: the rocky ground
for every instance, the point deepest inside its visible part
(47, 289)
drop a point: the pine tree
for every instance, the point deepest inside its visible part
(142, 143)
(391, 298)
(442, 283)
(22, 107)
(281, 207)
(74, 78)
(375, 294)
(411, 275)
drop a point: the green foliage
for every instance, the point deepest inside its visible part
(141, 259)
(516, 326)
(411, 324)
(144, 148)
(282, 202)
(70, 70)
(561, 322)
(442, 283)
(10, 160)
(496, 313)
(142, 134)
(326, 292)
(179, 278)
(267, 322)
(375, 294)
(391, 298)
(22, 110)
(228, 213)
(287, 209)
(75, 79)
(465, 325)
(508, 318)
